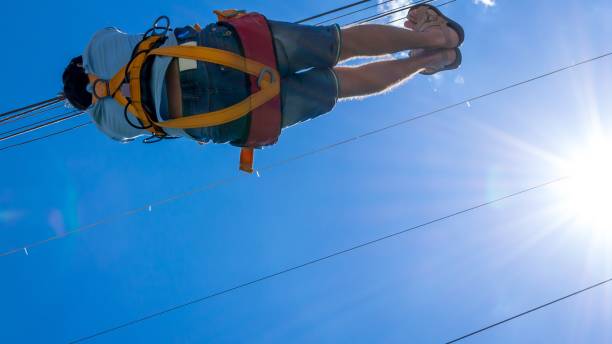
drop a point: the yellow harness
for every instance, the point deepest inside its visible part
(268, 80)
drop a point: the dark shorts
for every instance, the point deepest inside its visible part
(305, 55)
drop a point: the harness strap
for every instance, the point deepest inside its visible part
(268, 84)
(257, 43)
(112, 88)
(247, 159)
(259, 63)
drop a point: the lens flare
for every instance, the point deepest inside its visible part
(588, 193)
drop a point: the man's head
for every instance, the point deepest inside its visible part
(75, 84)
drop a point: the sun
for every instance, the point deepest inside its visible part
(588, 191)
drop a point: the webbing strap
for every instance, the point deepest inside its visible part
(258, 45)
(269, 84)
(103, 89)
(267, 80)
(247, 159)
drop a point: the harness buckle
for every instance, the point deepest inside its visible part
(265, 71)
(95, 88)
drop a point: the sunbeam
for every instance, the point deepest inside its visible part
(588, 193)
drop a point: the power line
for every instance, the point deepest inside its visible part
(314, 261)
(297, 157)
(530, 311)
(338, 9)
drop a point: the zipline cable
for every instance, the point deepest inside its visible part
(46, 120)
(14, 118)
(394, 11)
(46, 136)
(227, 180)
(44, 125)
(338, 9)
(29, 107)
(440, 5)
(36, 109)
(382, 15)
(391, 11)
(313, 261)
(354, 12)
(530, 311)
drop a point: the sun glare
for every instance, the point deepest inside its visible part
(588, 192)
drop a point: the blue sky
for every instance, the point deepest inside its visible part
(427, 286)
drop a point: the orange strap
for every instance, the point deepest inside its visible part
(247, 159)
(269, 83)
(111, 88)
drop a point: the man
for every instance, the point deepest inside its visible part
(307, 58)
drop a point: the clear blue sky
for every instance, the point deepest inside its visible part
(427, 286)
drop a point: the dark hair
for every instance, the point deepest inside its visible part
(75, 84)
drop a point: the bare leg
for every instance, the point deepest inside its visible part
(376, 40)
(376, 77)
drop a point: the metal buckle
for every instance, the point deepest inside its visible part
(266, 70)
(95, 94)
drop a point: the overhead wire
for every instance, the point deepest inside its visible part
(387, 13)
(353, 12)
(439, 5)
(337, 9)
(31, 106)
(300, 156)
(313, 261)
(42, 121)
(75, 114)
(29, 112)
(46, 136)
(531, 310)
(11, 119)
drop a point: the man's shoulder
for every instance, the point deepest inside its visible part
(108, 50)
(105, 33)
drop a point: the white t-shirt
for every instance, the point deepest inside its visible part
(108, 51)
